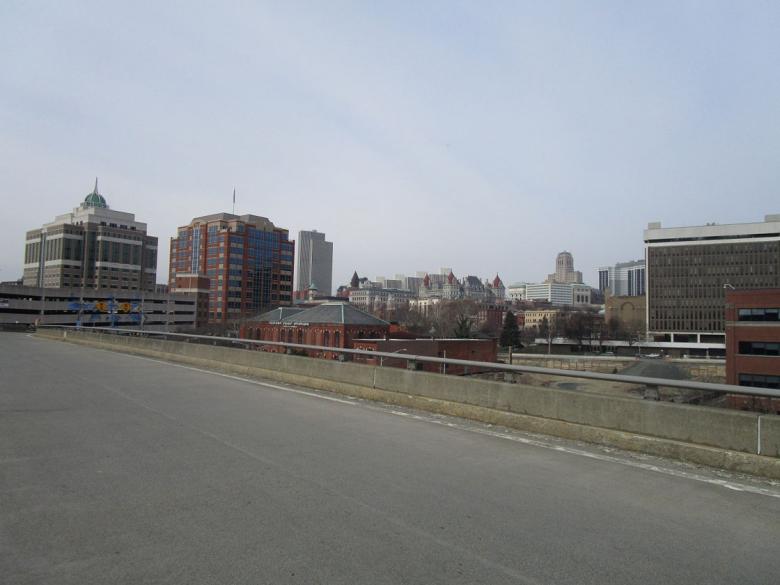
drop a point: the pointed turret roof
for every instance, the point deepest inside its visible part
(427, 281)
(355, 282)
(497, 282)
(450, 277)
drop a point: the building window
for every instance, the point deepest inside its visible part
(759, 381)
(759, 348)
(758, 314)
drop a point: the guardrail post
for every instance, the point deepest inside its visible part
(651, 392)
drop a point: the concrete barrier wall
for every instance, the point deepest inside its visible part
(713, 427)
(722, 428)
(699, 370)
(770, 436)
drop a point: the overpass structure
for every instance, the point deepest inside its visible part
(125, 467)
(723, 438)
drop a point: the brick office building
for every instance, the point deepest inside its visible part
(247, 259)
(753, 345)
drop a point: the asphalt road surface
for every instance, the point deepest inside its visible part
(119, 469)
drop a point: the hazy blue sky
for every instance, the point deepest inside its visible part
(486, 136)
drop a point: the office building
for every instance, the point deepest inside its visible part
(558, 294)
(689, 270)
(626, 279)
(313, 262)
(516, 292)
(92, 247)
(247, 259)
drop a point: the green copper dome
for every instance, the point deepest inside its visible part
(95, 199)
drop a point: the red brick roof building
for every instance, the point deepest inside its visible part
(333, 324)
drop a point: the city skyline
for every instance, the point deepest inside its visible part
(497, 132)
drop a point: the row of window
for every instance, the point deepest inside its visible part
(759, 314)
(759, 348)
(759, 380)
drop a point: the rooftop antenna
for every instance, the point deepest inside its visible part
(234, 200)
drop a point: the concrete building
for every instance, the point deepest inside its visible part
(313, 262)
(564, 270)
(199, 287)
(427, 307)
(410, 283)
(92, 247)
(533, 319)
(247, 259)
(23, 306)
(689, 269)
(558, 294)
(753, 345)
(516, 292)
(624, 279)
(389, 282)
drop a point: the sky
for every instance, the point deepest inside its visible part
(482, 136)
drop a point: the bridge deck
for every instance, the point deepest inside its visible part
(119, 469)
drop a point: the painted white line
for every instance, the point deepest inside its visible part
(731, 485)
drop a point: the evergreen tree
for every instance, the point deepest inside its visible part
(510, 334)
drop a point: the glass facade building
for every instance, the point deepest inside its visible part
(248, 261)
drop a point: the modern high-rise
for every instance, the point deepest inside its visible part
(689, 269)
(247, 259)
(626, 279)
(564, 270)
(92, 247)
(314, 262)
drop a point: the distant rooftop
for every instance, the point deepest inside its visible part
(333, 313)
(770, 227)
(277, 314)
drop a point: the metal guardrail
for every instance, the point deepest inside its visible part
(651, 384)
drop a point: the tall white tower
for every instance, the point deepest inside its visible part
(313, 262)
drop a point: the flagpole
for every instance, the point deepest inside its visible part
(234, 200)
